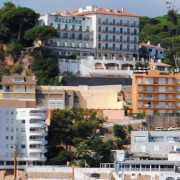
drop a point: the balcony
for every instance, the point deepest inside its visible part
(156, 106)
(38, 124)
(36, 141)
(38, 115)
(38, 133)
(37, 149)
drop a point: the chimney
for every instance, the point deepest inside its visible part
(149, 42)
(122, 9)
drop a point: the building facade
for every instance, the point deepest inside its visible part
(25, 130)
(155, 143)
(95, 32)
(17, 91)
(92, 67)
(155, 52)
(155, 92)
(52, 97)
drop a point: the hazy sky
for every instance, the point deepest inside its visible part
(151, 8)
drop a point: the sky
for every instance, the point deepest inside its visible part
(150, 8)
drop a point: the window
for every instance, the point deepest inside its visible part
(114, 30)
(23, 146)
(7, 129)
(7, 138)
(121, 30)
(114, 38)
(18, 79)
(12, 129)
(56, 104)
(139, 138)
(156, 147)
(114, 21)
(106, 29)
(23, 121)
(11, 137)
(22, 129)
(99, 37)
(18, 87)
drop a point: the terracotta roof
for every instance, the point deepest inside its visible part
(96, 11)
(151, 45)
(10, 80)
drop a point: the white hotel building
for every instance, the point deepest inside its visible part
(98, 32)
(24, 129)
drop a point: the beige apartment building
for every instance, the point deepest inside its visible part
(154, 91)
(90, 97)
(17, 91)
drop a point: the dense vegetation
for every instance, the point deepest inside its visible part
(164, 30)
(75, 136)
(18, 30)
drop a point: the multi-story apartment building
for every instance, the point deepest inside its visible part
(24, 129)
(17, 91)
(155, 92)
(95, 32)
(155, 143)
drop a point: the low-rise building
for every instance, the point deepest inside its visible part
(86, 97)
(162, 67)
(92, 67)
(155, 143)
(155, 52)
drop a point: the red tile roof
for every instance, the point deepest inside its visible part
(97, 11)
(151, 45)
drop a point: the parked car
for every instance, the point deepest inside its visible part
(159, 129)
(173, 128)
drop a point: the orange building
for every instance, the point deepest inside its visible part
(155, 92)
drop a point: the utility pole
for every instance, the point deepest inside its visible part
(73, 172)
(15, 162)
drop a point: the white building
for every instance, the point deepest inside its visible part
(155, 143)
(24, 129)
(95, 32)
(91, 66)
(125, 168)
(153, 51)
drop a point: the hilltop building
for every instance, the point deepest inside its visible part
(24, 129)
(154, 52)
(92, 31)
(155, 92)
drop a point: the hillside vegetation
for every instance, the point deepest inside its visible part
(18, 31)
(164, 30)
